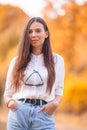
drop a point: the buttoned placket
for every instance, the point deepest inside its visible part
(35, 78)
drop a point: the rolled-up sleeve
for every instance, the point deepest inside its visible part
(8, 85)
(60, 74)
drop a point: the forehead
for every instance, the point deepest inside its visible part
(36, 25)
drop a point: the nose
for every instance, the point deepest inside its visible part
(33, 34)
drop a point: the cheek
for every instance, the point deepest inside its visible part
(43, 38)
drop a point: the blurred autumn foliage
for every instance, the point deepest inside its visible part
(12, 22)
(68, 37)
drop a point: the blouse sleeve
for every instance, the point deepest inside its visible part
(8, 86)
(60, 73)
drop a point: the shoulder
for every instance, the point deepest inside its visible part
(12, 63)
(58, 58)
(13, 60)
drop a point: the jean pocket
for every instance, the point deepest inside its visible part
(18, 107)
(47, 114)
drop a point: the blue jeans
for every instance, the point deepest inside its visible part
(26, 117)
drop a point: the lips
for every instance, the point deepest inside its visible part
(35, 40)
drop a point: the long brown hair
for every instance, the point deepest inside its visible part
(24, 53)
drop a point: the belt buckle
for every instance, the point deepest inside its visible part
(32, 101)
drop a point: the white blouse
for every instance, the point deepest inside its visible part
(35, 79)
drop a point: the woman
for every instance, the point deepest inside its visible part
(35, 81)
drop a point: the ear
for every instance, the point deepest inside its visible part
(46, 34)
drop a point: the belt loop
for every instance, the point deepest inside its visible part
(24, 100)
(40, 102)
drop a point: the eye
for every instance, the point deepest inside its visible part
(38, 30)
(30, 31)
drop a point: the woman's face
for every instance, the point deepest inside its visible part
(37, 35)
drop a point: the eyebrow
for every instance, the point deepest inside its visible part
(35, 28)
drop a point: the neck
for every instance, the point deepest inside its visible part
(36, 51)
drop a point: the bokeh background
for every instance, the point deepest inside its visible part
(67, 22)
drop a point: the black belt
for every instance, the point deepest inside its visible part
(34, 101)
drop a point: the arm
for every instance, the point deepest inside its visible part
(11, 103)
(50, 107)
(8, 86)
(6, 99)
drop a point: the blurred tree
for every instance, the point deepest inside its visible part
(68, 27)
(69, 32)
(12, 23)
